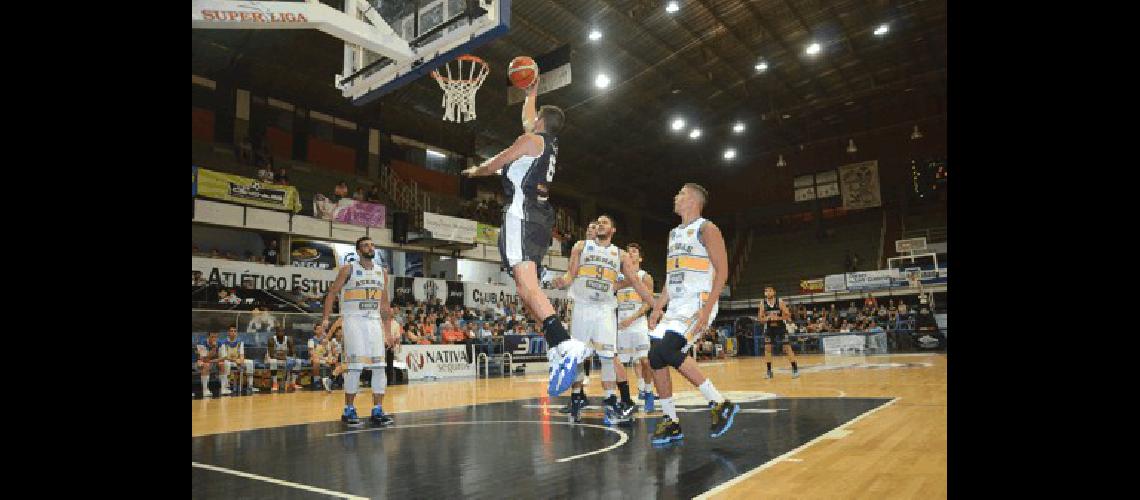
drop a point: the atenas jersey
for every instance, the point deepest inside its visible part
(689, 272)
(362, 291)
(597, 276)
(629, 302)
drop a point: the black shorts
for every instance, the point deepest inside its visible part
(525, 239)
(774, 333)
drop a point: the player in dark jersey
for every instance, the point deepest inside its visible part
(528, 220)
(773, 313)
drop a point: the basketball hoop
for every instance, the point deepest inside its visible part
(459, 86)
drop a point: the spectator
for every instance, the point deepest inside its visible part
(373, 194)
(340, 191)
(265, 173)
(270, 253)
(233, 352)
(196, 278)
(452, 334)
(359, 194)
(215, 254)
(209, 359)
(282, 352)
(230, 298)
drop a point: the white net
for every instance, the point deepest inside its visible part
(460, 80)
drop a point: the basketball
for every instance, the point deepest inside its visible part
(522, 71)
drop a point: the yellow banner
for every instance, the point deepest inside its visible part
(486, 234)
(247, 191)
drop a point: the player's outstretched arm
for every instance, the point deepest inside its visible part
(526, 144)
(334, 290)
(713, 240)
(571, 268)
(629, 268)
(529, 108)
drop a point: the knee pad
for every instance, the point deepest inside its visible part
(667, 351)
(351, 381)
(379, 380)
(609, 373)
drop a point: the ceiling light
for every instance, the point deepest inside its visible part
(672, 7)
(787, 116)
(436, 154)
(595, 35)
(916, 134)
(813, 49)
(602, 81)
(761, 66)
(780, 162)
(851, 146)
(738, 128)
(882, 29)
(695, 133)
(729, 154)
(678, 124)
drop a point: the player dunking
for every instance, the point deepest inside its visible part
(773, 313)
(527, 224)
(633, 327)
(593, 273)
(695, 275)
(365, 308)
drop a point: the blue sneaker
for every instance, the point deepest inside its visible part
(722, 415)
(349, 416)
(564, 360)
(380, 418)
(649, 397)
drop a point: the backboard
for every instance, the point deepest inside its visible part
(387, 43)
(436, 31)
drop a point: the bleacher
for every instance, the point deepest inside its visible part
(784, 258)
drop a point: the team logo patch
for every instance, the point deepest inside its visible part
(691, 231)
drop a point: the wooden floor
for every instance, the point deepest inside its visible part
(898, 451)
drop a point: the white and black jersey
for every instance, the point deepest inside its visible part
(528, 216)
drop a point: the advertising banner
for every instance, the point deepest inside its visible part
(436, 361)
(246, 191)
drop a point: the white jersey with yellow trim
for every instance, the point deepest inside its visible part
(689, 278)
(362, 291)
(629, 302)
(597, 276)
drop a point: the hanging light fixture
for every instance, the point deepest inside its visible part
(851, 146)
(780, 162)
(916, 134)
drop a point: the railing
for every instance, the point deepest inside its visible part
(508, 363)
(932, 234)
(486, 364)
(406, 195)
(882, 240)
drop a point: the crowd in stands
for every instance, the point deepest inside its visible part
(419, 323)
(486, 210)
(852, 316)
(270, 255)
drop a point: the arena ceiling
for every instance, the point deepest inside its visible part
(699, 63)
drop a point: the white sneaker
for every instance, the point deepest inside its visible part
(325, 382)
(564, 360)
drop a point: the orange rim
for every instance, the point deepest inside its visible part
(465, 57)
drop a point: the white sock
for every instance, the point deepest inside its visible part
(275, 379)
(249, 381)
(710, 393)
(669, 409)
(609, 392)
(641, 385)
(205, 380)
